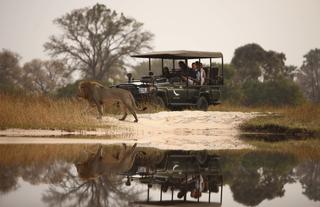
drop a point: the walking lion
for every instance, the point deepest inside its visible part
(97, 95)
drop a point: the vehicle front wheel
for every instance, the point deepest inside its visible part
(158, 101)
(202, 104)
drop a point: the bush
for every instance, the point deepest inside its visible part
(280, 92)
(275, 93)
(68, 91)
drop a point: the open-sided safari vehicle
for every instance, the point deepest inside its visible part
(190, 180)
(175, 86)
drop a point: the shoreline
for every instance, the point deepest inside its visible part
(189, 130)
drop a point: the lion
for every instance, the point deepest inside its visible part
(98, 95)
(96, 164)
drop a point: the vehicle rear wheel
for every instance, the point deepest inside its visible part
(202, 104)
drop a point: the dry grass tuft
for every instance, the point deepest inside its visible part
(40, 112)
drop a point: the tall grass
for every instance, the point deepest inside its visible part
(302, 149)
(302, 118)
(307, 115)
(40, 112)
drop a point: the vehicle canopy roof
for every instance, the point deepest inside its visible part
(180, 54)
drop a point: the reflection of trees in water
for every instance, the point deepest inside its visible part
(36, 173)
(309, 175)
(45, 173)
(105, 190)
(8, 178)
(253, 177)
(260, 176)
(65, 187)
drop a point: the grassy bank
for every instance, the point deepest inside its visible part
(299, 121)
(301, 149)
(40, 112)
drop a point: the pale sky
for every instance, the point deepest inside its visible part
(288, 26)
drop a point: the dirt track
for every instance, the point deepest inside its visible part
(190, 130)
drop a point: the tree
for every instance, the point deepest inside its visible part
(273, 66)
(97, 40)
(142, 69)
(252, 62)
(10, 70)
(309, 75)
(248, 61)
(290, 71)
(44, 76)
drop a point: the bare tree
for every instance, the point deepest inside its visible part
(44, 76)
(96, 40)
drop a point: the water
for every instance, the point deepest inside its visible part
(67, 175)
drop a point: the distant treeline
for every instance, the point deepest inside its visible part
(96, 43)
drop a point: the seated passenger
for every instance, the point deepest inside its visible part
(201, 74)
(193, 70)
(166, 73)
(184, 68)
(187, 74)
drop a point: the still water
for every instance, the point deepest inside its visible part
(93, 175)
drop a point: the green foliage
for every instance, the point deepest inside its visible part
(260, 78)
(70, 90)
(247, 60)
(309, 75)
(252, 62)
(271, 93)
(10, 71)
(278, 92)
(231, 92)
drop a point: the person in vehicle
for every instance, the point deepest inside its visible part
(193, 70)
(166, 73)
(184, 68)
(201, 74)
(187, 74)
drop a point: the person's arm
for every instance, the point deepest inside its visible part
(203, 76)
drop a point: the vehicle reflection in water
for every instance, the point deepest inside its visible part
(61, 176)
(195, 173)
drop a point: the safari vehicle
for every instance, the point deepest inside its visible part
(181, 172)
(169, 89)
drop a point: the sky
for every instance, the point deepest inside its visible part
(288, 26)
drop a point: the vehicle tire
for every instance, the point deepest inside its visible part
(202, 104)
(158, 101)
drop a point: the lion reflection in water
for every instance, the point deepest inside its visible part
(96, 164)
(98, 95)
(97, 182)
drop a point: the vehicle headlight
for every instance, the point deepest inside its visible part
(143, 90)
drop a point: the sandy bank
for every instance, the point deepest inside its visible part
(189, 130)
